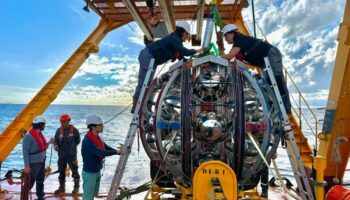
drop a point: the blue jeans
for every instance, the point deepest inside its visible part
(91, 185)
(144, 59)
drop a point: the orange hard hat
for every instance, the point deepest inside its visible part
(65, 117)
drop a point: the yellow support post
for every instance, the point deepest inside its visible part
(214, 180)
(320, 166)
(337, 117)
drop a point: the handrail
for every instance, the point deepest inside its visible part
(301, 114)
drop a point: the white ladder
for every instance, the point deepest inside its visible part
(126, 149)
(295, 160)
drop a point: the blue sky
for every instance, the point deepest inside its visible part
(38, 36)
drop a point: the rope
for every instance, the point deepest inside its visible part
(165, 156)
(118, 114)
(25, 186)
(50, 156)
(336, 155)
(278, 176)
(128, 192)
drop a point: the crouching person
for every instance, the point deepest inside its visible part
(67, 139)
(34, 156)
(94, 150)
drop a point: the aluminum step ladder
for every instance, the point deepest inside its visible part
(292, 149)
(126, 149)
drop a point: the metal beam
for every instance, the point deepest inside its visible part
(336, 124)
(168, 14)
(200, 17)
(183, 12)
(130, 5)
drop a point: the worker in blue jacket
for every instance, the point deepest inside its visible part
(168, 48)
(94, 151)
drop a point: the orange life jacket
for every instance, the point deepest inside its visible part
(71, 131)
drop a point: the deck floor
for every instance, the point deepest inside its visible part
(11, 190)
(51, 184)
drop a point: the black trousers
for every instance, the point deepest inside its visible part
(264, 180)
(62, 165)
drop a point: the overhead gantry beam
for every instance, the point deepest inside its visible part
(168, 14)
(200, 18)
(130, 5)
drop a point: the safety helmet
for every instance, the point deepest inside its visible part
(185, 25)
(93, 119)
(229, 28)
(39, 119)
(65, 117)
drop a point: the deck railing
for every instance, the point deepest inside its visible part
(298, 103)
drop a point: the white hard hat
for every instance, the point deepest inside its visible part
(229, 28)
(185, 25)
(39, 119)
(93, 119)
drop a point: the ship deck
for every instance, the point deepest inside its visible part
(11, 191)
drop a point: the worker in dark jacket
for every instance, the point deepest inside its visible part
(253, 51)
(94, 151)
(67, 139)
(34, 156)
(168, 48)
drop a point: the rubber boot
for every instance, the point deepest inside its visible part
(62, 188)
(76, 187)
(264, 191)
(134, 103)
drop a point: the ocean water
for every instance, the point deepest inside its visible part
(137, 169)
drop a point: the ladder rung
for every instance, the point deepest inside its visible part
(215, 181)
(218, 190)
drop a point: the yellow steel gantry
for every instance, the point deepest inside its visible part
(336, 127)
(116, 13)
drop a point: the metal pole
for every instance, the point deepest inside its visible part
(253, 18)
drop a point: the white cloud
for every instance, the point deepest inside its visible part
(123, 69)
(136, 40)
(101, 65)
(123, 48)
(137, 34)
(47, 70)
(317, 95)
(14, 94)
(108, 44)
(93, 95)
(305, 32)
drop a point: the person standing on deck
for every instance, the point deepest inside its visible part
(34, 156)
(253, 51)
(168, 48)
(67, 139)
(94, 151)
